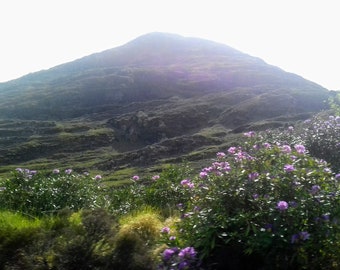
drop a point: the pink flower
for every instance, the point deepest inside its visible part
(249, 134)
(203, 174)
(266, 145)
(97, 177)
(286, 149)
(55, 171)
(155, 177)
(282, 205)
(220, 155)
(288, 168)
(135, 178)
(68, 171)
(165, 230)
(300, 148)
(232, 150)
(187, 183)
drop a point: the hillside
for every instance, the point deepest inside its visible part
(157, 99)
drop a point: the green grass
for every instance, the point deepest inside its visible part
(11, 221)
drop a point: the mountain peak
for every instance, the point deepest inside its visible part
(157, 97)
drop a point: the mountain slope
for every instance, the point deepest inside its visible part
(136, 104)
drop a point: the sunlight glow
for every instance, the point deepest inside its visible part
(297, 36)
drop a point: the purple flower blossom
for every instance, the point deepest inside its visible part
(155, 177)
(282, 205)
(56, 171)
(97, 177)
(337, 176)
(187, 253)
(294, 239)
(249, 134)
(232, 150)
(325, 217)
(256, 147)
(300, 148)
(135, 178)
(19, 170)
(255, 196)
(183, 265)
(187, 183)
(301, 236)
(168, 253)
(203, 174)
(180, 205)
(327, 170)
(286, 149)
(288, 168)
(165, 230)
(315, 189)
(68, 171)
(293, 204)
(186, 215)
(172, 238)
(197, 208)
(252, 176)
(266, 145)
(220, 155)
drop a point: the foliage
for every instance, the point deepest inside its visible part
(334, 103)
(275, 203)
(267, 203)
(86, 243)
(319, 134)
(161, 191)
(30, 192)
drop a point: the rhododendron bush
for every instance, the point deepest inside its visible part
(272, 202)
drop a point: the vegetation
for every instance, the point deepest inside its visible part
(238, 198)
(266, 203)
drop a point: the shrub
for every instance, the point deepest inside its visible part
(17, 235)
(334, 103)
(272, 205)
(320, 136)
(33, 193)
(158, 191)
(138, 235)
(87, 241)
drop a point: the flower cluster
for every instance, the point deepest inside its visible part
(176, 258)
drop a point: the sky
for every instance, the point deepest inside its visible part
(299, 36)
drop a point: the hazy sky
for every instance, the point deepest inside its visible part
(299, 36)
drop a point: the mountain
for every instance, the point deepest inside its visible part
(159, 98)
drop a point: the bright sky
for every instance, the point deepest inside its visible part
(299, 36)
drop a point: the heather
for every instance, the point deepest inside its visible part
(269, 202)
